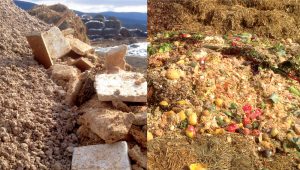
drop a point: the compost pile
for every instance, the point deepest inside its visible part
(268, 18)
(36, 128)
(236, 89)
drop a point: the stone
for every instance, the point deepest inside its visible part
(79, 47)
(73, 90)
(48, 46)
(137, 155)
(115, 59)
(136, 167)
(120, 105)
(140, 119)
(139, 136)
(83, 64)
(109, 125)
(87, 90)
(62, 74)
(101, 157)
(68, 31)
(67, 77)
(125, 86)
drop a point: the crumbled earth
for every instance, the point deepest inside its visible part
(36, 127)
(267, 18)
(232, 90)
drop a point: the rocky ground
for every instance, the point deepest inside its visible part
(39, 125)
(36, 126)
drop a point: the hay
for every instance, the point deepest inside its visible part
(271, 19)
(215, 151)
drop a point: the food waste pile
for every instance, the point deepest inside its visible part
(234, 100)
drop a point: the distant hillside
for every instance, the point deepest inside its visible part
(128, 19)
(24, 5)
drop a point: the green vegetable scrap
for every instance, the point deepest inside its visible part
(294, 90)
(165, 47)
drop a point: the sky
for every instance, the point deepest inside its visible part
(99, 5)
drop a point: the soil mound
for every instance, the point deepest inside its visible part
(267, 18)
(54, 13)
(36, 129)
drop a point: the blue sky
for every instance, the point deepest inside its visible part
(99, 5)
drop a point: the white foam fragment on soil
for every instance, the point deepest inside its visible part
(126, 86)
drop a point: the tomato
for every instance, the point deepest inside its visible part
(232, 127)
(246, 131)
(246, 121)
(247, 108)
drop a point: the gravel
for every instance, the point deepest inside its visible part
(36, 127)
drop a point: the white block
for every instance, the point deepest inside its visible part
(101, 157)
(126, 86)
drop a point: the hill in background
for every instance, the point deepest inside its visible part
(128, 19)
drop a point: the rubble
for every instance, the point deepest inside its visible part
(79, 47)
(123, 86)
(68, 31)
(72, 65)
(119, 105)
(139, 135)
(87, 90)
(110, 125)
(101, 157)
(48, 46)
(83, 64)
(63, 74)
(114, 59)
(140, 119)
(136, 154)
(72, 91)
(62, 17)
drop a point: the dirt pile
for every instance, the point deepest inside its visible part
(268, 18)
(36, 128)
(55, 13)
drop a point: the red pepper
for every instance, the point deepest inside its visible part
(232, 127)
